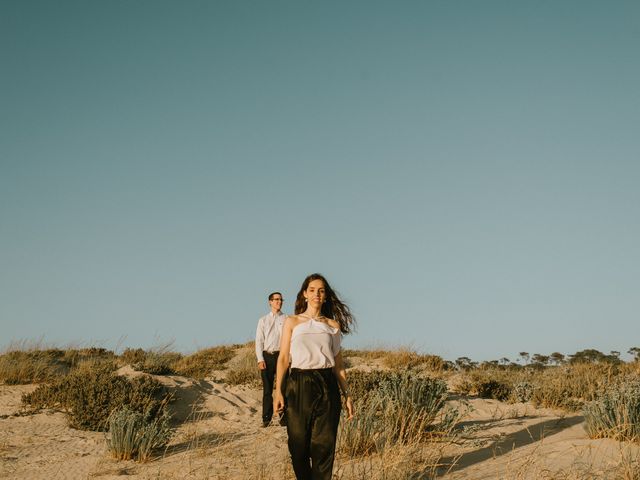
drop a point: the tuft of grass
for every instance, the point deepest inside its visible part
(90, 394)
(135, 435)
(615, 413)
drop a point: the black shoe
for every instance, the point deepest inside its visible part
(266, 423)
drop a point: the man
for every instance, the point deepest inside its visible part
(267, 349)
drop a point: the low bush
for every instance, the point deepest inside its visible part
(400, 408)
(496, 383)
(363, 383)
(615, 413)
(495, 389)
(89, 395)
(522, 391)
(135, 435)
(201, 363)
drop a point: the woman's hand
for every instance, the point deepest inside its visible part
(350, 409)
(278, 402)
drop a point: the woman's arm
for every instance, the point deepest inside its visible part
(283, 363)
(341, 376)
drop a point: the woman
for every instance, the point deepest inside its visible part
(311, 341)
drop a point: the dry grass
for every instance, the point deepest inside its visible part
(24, 363)
(201, 363)
(243, 370)
(400, 358)
(566, 387)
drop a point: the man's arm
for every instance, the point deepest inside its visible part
(260, 344)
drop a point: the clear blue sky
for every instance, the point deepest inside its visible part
(466, 174)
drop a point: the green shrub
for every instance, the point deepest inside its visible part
(399, 408)
(615, 413)
(89, 395)
(494, 389)
(364, 383)
(134, 435)
(522, 391)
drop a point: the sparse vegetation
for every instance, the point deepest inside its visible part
(401, 404)
(89, 395)
(615, 413)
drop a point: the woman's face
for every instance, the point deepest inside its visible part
(315, 293)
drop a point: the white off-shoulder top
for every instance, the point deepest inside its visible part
(314, 344)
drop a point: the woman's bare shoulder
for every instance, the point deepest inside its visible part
(333, 323)
(293, 319)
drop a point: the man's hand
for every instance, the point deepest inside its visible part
(262, 365)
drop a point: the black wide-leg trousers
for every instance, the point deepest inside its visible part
(313, 414)
(268, 376)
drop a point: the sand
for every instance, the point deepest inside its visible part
(219, 436)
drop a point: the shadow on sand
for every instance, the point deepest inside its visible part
(509, 443)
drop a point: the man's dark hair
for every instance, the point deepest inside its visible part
(272, 294)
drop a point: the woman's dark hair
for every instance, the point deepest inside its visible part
(333, 307)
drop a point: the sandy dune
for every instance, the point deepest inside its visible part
(218, 436)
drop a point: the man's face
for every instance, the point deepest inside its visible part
(276, 302)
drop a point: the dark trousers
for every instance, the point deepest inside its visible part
(268, 376)
(313, 414)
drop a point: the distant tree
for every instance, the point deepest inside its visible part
(540, 359)
(489, 364)
(504, 361)
(465, 363)
(635, 351)
(524, 356)
(591, 355)
(614, 353)
(556, 357)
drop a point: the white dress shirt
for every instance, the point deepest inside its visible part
(268, 333)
